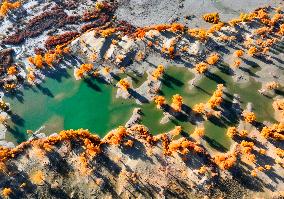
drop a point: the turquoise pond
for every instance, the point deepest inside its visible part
(61, 102)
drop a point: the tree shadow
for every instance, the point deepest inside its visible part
(137, 151)
(57, 74)
(107, 163)
(58, 163)
(215, 78)
(17, 134)
(92, 85)
(138, 96)
(214, 144)
(19, 95)
(245, 179)
(249, 72)
(45, 90)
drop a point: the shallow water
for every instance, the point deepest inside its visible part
(69, 104)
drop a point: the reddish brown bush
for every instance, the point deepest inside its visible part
(53, 18)
(55, 40)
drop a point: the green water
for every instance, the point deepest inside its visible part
(91, 104)
(177, 82)
(69, 104)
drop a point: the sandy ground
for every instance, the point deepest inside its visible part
(67, 169)
(148, 12)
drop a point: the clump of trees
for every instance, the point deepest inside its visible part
(83, 69)
(7, 191)
(246, 149)
(226, 161)
(116, 136)
(248, 116)
(201, 67)
(177, 102)
(6, 6)
(123, 84)
(212, 17)
(216, 99)
(182, 146)
(213, 59)
(233, 132)
(200, 34)
(160, 101)
(158, 72)
(274, 131)
(37, 177)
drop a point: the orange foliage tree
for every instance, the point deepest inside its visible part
(6, 6)
(158, 72)
(12, 70)
(232, 132)
(200, 34)
(249, 116)
(272, 85)
(237, 63)
(252, 51)
(6, 192)
(160, 101)
(212, 17)
(225, 161)
(201, 67)
(123, 84)
(199, 108)
(213, 59)
(115, 136)
(238, 53)
(275, 131)
(37, 177)
(216, 98)
(177, 102)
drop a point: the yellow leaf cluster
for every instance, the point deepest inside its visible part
(158, 72)
(201, 67)
(177, 102)
(212, 17)
(6, 6)
(249, 116)
(160, 101)
(123, 84)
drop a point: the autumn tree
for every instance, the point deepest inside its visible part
(177, 102)
(232, 132)
(213, 59)
(158, 72)
(249, 116)
(12, 70)
(200, 34)
(199, 108)
(123, 84)
(201, 67)
(272, 85)
(238, 53)
(252, 51)
(216, 98)
(225, 161)
(37, 177)
(237, 63)
(6, 192)
(199, 131)
(160, 101)
(212, 17)
(6, 6)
